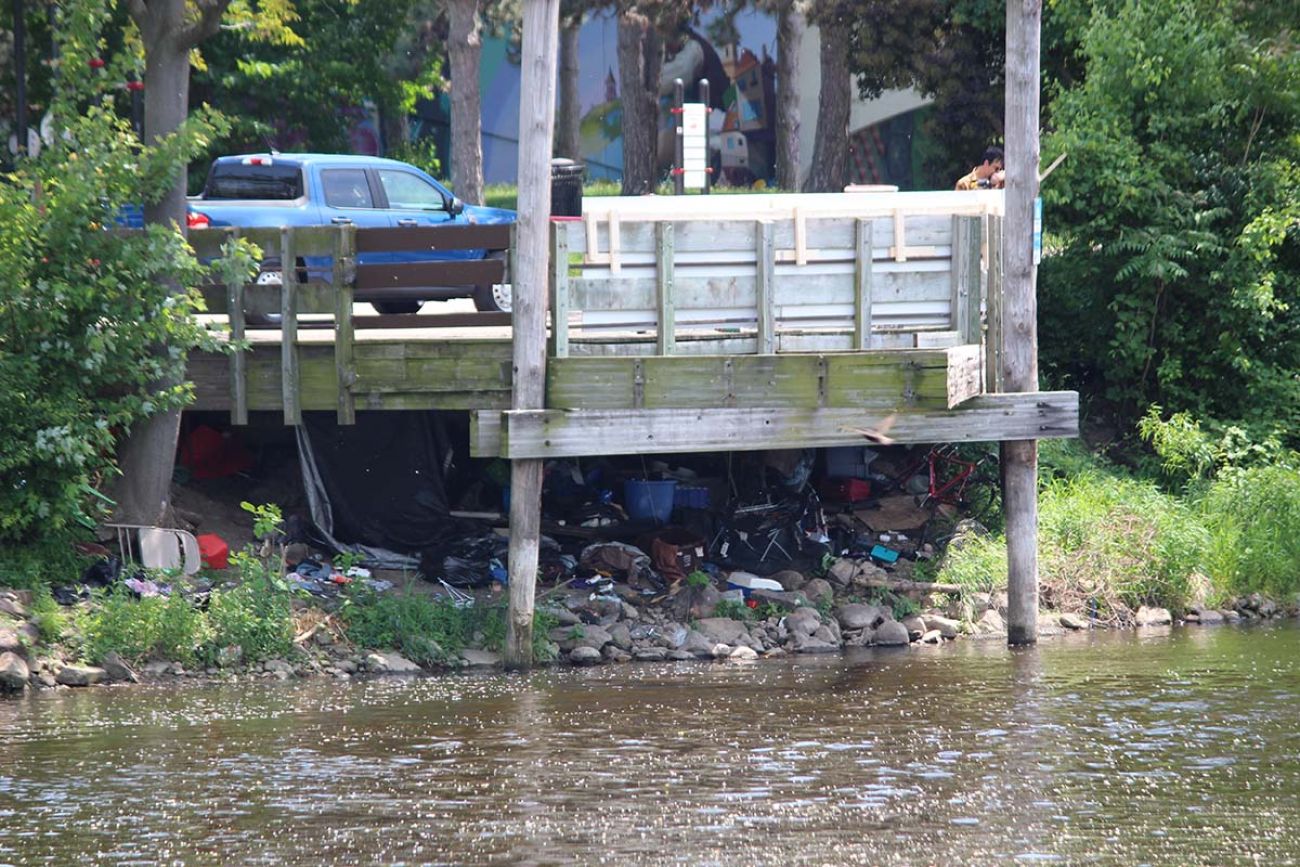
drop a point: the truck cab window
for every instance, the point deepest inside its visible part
(346, 188)
(407, 192)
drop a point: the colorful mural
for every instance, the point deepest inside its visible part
(741, 77)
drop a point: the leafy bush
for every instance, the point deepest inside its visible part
(163, 627)
(432, 631)
(1177, 278)
(1253, 518)
(256, 615)
(94, 324)
(1107, 543)
(733, 609)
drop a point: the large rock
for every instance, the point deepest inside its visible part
(1072, 621)
(10, 641)
(117, 668)
(650, 654)
(803, 621)
(80, 675)
(13, 672)
(990, 623)
(584, 654)
(585, 635)
(858, 615)
(945, 626)
(743, 654)
(480, 658)
(1210, 617)
(388, 663)
(915, 626)
(801, 643)
(723, 630)
(818, 589)
(621, 635)
(1153, 616)
(790, 580)
(10, 605)
(284, 671)
(697, 644)
(860, 638)
(891, 633)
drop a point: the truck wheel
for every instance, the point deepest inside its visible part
(494, 298)
(393, 307)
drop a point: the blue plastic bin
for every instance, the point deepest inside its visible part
(645, 499)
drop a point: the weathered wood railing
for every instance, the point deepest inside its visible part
(327, 273)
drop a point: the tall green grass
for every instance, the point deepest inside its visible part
(1109, 542)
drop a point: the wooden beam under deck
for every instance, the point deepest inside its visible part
(559, 433)
(474, 374)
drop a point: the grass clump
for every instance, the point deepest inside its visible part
(431, 630)
(1253, 517)
(734, 610)
(163, 627)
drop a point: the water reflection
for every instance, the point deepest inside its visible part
(1111, 747)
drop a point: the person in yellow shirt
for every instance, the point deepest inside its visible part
(987, 175)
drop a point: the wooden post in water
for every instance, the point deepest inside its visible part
(541, 39)
(1020, 314)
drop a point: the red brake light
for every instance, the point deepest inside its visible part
(197, 220)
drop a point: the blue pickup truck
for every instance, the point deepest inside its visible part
(273, 190)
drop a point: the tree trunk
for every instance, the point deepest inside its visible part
(464, 49)
(567, 135)
(640, 60)
(147, 456)
(789, 37)
(831, 151)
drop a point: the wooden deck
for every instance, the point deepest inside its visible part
(811, 320)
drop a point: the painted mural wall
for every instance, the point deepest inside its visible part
(739, 62)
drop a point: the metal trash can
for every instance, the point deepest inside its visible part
(566, 187)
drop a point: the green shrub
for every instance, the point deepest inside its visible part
(164, 627)
(1253, 518)
(432, 631)
(255, 615)
(733, 609)
(1107, 543)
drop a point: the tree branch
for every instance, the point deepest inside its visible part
(208, 23)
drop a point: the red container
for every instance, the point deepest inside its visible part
(845, 490)
(214, 551)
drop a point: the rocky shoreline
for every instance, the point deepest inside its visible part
(619, 624)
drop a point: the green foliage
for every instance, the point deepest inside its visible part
(733, 610)
(904, 606)
(93, 331)
(163, 627)
(1177, 214)
(266, 518)
(348, 56)
(48, 615)
(431, 631)
(1254, 521)
(698, 579)
(256, 615)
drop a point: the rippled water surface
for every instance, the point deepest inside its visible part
(1171, 748)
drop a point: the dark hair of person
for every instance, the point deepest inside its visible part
(992, 154)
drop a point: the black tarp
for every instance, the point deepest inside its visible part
(377, 484)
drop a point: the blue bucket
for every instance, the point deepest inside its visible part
(645, 499)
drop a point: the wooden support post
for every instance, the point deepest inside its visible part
(541, 37)
(862, 285)
(238, 358)
(560, 290)
(289, 380)
(1020, 313)
(345, 246)
(765, 285)
(667, 342)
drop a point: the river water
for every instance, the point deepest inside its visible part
(1173, 747)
